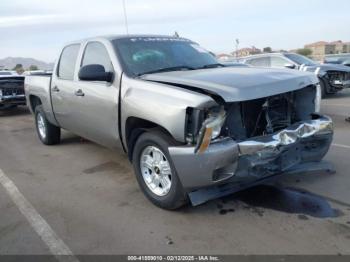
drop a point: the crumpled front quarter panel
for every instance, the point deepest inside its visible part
(161, 104)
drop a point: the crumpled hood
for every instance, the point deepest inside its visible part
(238, 84)
(322, 69)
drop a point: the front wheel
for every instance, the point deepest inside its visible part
(47, 132)
(155, 171)
(324, 91)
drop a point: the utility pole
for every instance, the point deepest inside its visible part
(237, 44)
(125, 18)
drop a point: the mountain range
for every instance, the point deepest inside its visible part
(11, 62)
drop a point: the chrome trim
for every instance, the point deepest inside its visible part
(12, 97)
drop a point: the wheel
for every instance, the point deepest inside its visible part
(47, 132)
(155, 172)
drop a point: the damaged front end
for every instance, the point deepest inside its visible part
(257, 139)
(337, 80)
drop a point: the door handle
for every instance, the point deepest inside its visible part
(55, 89)
(79, 92)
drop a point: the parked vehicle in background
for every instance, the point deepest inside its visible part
(8, 73)
(234, 64)
(37, 72)
(190, 126)
(11, 89)
(333, 77)
(340, 59)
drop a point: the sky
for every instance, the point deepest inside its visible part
(38, 29)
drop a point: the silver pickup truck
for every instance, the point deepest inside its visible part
(193, 129)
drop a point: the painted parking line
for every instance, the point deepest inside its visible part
(57, 247)
(342, 146)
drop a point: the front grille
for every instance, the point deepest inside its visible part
(12, 91)
(267, 115)
(12, 87)
(336, 78)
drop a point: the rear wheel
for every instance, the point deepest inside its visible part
(48, 133)
(155, 171)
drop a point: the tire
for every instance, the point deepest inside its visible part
(175, 196)
(323, 88)
(48, 133)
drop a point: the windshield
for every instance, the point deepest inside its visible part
(141, 55)
(301, 60)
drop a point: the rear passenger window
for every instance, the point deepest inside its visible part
(67, 62)
(262, 61)
(96, 53)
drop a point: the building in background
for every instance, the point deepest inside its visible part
(322, 48)
(246, 51)
(225, 57)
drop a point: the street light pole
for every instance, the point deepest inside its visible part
(125, 18)
(237, 43)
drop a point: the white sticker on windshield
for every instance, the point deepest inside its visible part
(199, 48)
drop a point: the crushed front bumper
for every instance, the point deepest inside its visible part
(303, 144)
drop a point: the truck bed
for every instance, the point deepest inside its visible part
(38, 87)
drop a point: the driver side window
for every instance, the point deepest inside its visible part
(96, 53)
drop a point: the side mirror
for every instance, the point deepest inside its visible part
(290, 66)
(95, 73)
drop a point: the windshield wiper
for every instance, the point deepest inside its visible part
(211, 66)
(167, 69)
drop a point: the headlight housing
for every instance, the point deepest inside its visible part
(0, 94)
(211, 129)
(318, 98)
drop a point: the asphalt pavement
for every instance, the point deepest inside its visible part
(82, 198)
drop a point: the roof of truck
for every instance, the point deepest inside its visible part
(115, 37)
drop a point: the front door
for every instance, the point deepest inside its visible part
(96, 102)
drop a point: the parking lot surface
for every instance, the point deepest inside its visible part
(89, 198)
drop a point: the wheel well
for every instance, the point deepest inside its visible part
(135, 126)
(34, 102)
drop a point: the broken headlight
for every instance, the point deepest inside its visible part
(318, 98)
(211, 129)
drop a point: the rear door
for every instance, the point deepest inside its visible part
(96, 102)
(63, 86)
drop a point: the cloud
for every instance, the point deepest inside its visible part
(46, 25)
(36, 12)
(16, 21)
